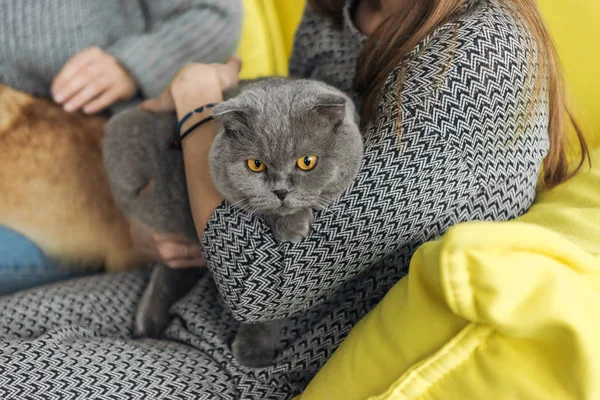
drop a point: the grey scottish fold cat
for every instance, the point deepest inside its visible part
(286, 147)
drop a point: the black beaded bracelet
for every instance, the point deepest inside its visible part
(176, 144)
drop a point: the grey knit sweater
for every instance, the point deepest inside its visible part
(151, 38)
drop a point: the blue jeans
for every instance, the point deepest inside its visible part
(24, 265)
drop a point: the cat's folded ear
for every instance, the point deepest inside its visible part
(331, 106)
(233, 116)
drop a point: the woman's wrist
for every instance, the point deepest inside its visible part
(187, 93)
(194, 108)
(186, 102)
(190, 93)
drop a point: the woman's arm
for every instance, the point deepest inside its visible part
(196, 85)
(180, 32)
(193, 86)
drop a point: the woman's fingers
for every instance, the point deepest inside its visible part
(98, 104)
(92, 75)
(143, 241)
(163, 103)
(67, 81)
(236, 62)
(186, 263)
(92, 90)
(180, 255)
(87, 76)
(229, 72)
(191, 76)
(171, 251)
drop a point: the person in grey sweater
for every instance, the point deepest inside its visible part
(90, 55)
(100, 55)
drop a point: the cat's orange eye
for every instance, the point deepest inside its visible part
(307, 163)
(256, 165)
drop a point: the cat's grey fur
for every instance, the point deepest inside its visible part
(275, 120)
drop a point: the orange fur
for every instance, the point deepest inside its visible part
(53, 187)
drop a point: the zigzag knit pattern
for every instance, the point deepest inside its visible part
(459, 136)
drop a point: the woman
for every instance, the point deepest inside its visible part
(461, 103)
(100, 57)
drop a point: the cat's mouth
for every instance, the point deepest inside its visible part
(270, 206)
(281, 208)
(285, 208)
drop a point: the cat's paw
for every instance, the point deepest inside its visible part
(250, 355)
(293, 228)
(150, 320)
(150, 325)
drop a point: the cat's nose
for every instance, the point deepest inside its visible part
(281, 194)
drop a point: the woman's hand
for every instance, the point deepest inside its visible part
(195, 85)
(174, 250)
(92, 80)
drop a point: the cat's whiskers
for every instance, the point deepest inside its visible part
(322, 202)
(247, 207)
(239, 203)
(244, 206)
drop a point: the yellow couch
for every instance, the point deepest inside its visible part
(267, 36)
(492, 310)
(574, 26)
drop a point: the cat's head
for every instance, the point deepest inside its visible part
(147, 178)
(286, 145)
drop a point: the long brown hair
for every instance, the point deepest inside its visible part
(400, 32)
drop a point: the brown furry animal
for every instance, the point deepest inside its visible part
(53, 187)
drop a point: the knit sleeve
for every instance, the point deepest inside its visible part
(455, 100)
(179, 33)
(303, 58)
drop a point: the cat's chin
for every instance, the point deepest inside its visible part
(282, 210)
(285, 210)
